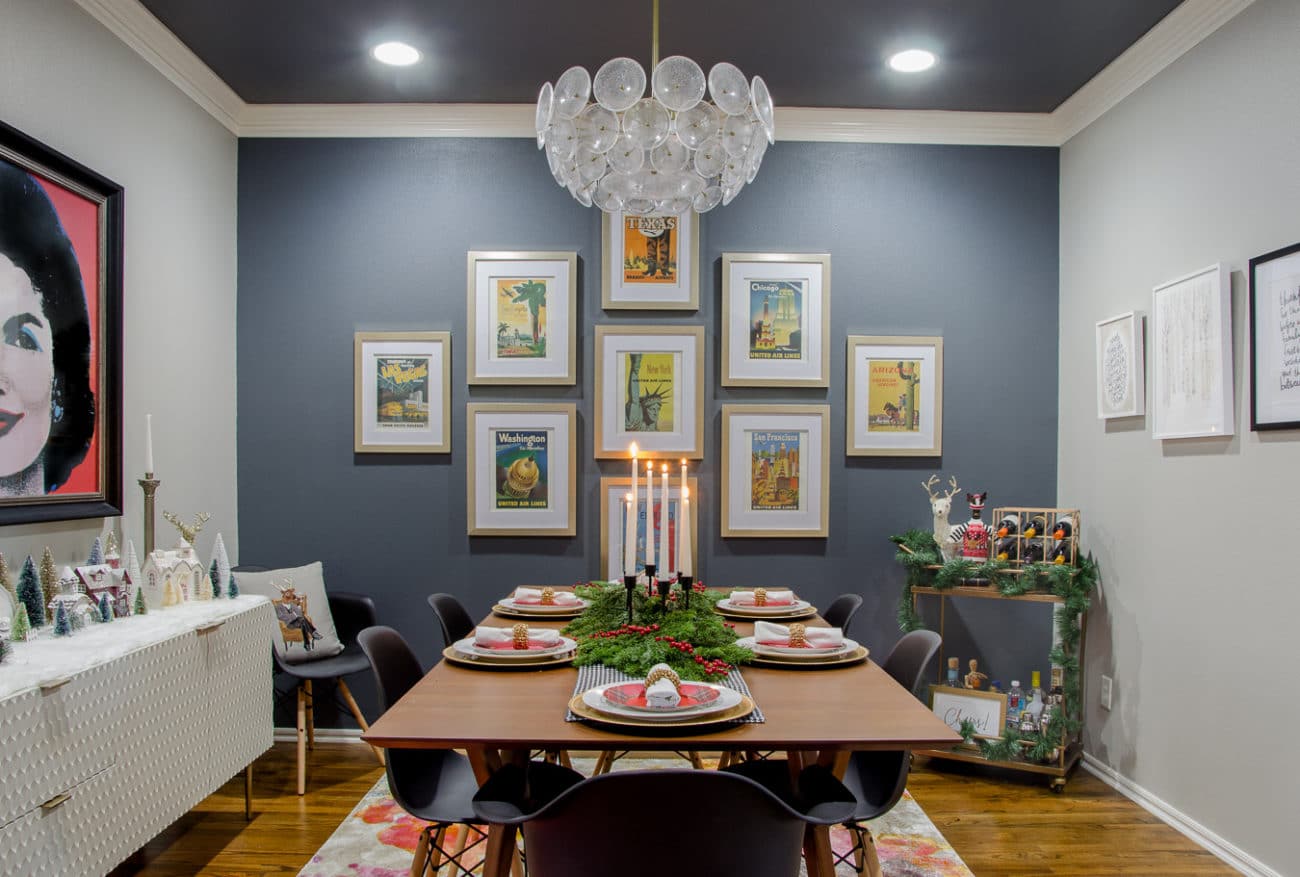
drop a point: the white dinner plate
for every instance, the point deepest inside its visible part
(748, 642)
(467, 647)
(539, 609)
(788, 609)
(595, 698)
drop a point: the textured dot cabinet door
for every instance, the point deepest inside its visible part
(25, 757)
(83, 721)
(25, 850)
(81, 834)
(239, 691)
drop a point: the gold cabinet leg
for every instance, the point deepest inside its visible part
(248, 792)
(302, 741)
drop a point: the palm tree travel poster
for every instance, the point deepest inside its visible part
(522, 318)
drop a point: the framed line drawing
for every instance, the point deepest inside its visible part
(650, 262)
(1191, 353)
(402, 390)
(775, 470)
(650, 390)
(522, 318)
(613, 521)
(61, 233)
(1121, 372)
(1275, 340)
(521, 469)
(776, 319)
(894, 396)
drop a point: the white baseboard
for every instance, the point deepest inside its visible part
(323, 735)
(1224, 849)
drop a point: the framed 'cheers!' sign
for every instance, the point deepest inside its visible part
(987, 709)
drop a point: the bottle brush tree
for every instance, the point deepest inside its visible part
(215, 578)
(21, 627)
(31, 595)
(105, 610)
(49, 576)
(96, 553)
(140, 607)
(234, 589)
(62, 626)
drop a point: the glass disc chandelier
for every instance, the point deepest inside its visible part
(612, 146)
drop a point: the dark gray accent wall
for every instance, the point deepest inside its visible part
(337, 236)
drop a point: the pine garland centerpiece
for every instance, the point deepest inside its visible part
(695, 641)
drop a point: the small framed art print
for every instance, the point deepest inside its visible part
(1275, 340)
(521, 469)
(895, 396)
(775, 470)
(402, 390)
(776, 319)
(1121, 373)
(522, 318)
(1191, 354)
(650, 262)
(650, 390)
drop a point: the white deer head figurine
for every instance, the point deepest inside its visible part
(940, 506)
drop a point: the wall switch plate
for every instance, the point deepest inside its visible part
(1107, 687)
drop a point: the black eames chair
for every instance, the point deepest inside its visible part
(841, 611)
(631, 823)
(876, 779)
(435, 785)
(452, 618)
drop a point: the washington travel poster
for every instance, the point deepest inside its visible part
(522, 474)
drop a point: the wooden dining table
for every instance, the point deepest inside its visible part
(816, 716)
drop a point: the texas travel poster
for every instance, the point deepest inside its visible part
(775, 319)
(650, 250)
(402, 399)
(648, 394)
(774, 469)
(519, 308)
(522, 475)
(893, 395)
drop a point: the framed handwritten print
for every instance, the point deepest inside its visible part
(1121, 378)
(987, 710)
(650, 390)
(775, 470)
(61, 296)
(650, 262)
(1275, 340)
(522, 318)
(402, 391)
(614, 529)
(776, 319)
(1191, 353)
(895, 396)
(521, 469)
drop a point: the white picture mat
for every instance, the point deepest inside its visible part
(559, 306)
(651, 294)
(1277, 340)
(923, 438)
(808, 366)
(1191, 349)
(375, 433)
(614, 437)
(558, 477)
(741, 515)
(1121, 336)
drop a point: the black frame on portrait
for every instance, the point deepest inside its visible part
(33, 156)
(1255, 424)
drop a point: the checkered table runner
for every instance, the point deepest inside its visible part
(593, 675)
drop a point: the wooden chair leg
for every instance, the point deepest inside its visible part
(695, 760)
(872, 858)
(356, 714)
(435, 852)
(564, 759)
(302, 741)
(421, 854)
(311, 715)
(603, 763)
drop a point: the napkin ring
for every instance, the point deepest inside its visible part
(521, 635)
(798, 636)
(663, 673)
(760, 596)
(548, 596)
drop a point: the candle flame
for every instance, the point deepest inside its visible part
(665, 468)
(633, 450)
(649, 466)
(627, 497)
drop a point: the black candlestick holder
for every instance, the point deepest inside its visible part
(665, 587)
(629, 582)
(687, 583)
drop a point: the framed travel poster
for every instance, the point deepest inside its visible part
(1121, 378)
(1275, 340)
(522, 318)
(1191, 355)
(776, 319)
(521, 469)
(650, 390)
(895, 396)
(402, 388)
(775, 470)
(613, 521)
(650, 262)
(61, 291)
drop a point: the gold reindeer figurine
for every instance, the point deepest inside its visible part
(188, 533)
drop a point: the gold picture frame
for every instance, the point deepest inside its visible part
(776, 319)
(510, 340)
(677, 391)
(894, 396)
(770, 489)
(402, 392)
(612, 520)
(630, 279)
(987, 709)
(514, 449)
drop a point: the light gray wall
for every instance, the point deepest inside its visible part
(1197, 616)
(341, 235)
(68, 82)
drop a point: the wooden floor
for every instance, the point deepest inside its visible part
(999, 823)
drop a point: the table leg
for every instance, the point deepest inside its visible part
(500, 851)
(817, 851)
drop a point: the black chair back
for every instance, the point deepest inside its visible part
(841, 611)
(910, 656)
(452, 618)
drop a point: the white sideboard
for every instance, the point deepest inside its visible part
(110, 735)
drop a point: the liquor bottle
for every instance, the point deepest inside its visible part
(1015, 700)
(953, 681)
(1035, 685)
(1057, 694)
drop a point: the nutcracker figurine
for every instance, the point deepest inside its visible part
(976, 536)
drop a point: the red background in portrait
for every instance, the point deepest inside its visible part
(80, 218)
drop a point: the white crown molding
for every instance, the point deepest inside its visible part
(134, 25)
(387, 120)
(1175, 818)
(914, 126)
(1190, 23)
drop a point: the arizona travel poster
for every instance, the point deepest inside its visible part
(650, 245)
(775, 319)
(894, 395)
(519, 309)
(774, 469)
(402, 397)
(648, 395)
(521, 468)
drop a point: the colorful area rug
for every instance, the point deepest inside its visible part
(378, 838)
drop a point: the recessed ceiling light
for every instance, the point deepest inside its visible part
(912, 61)
(396, 54)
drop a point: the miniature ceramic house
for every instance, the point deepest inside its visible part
(103, 578)
(176, 576)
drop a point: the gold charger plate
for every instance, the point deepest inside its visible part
(857, 656)
(793, 615)
(739, 711)
(508, 612)
(547, 663)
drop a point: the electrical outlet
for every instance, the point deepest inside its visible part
(1107, 688)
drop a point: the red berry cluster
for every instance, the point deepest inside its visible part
(710, 666)
(639, 629)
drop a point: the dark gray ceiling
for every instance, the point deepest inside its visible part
(996, 55)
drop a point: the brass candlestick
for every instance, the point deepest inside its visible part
(149, 485)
